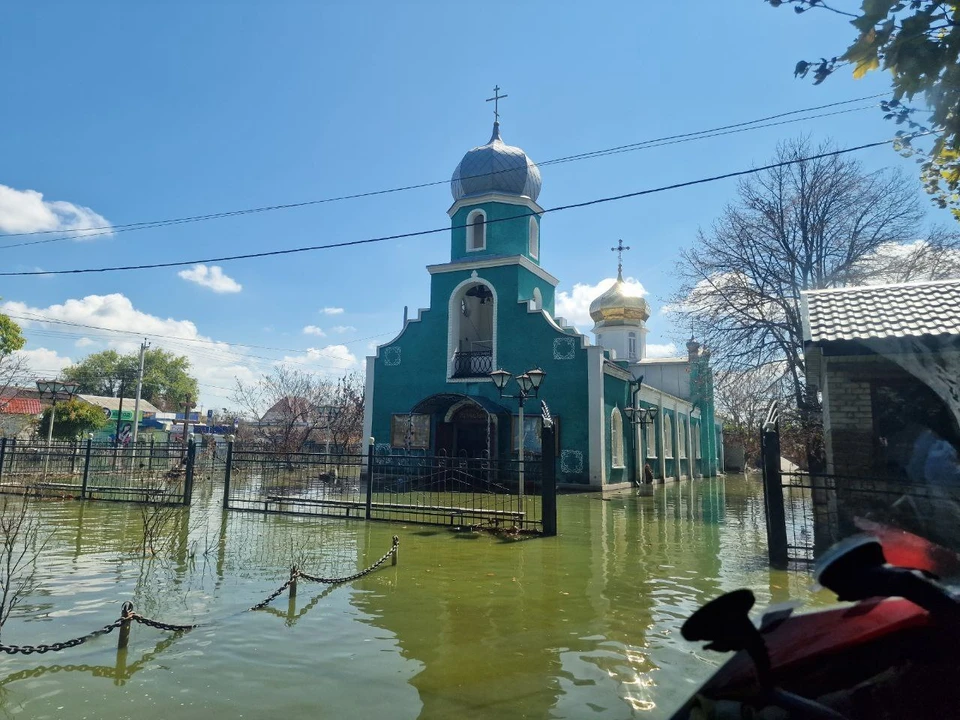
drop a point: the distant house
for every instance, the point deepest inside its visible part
(113, 412)
(17, 415)
(885, 362)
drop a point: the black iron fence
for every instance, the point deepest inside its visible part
(403, 486)
(156, 473)
(806, 512)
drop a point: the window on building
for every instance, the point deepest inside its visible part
(667, 437)
(410, 430)
(632, 345)
(683, 438)
(534, 244)
(470, 342)
(616, 439)
(476, 231)
(537, 299)
(650, 438)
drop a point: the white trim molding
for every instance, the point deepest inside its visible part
(497, 198)
(595, 434)
(489, 262)
(368, 403)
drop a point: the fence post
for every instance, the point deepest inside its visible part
(188, 480)
(126, 616)
(773, 496)
(12, 452)
(86, 469)
(370, 449)
(150, 457)
(3, 455)
(226, 475)
(548, 479)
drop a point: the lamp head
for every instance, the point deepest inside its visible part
(631, 411)
(525, 382)
(536, 377)
(500, 379)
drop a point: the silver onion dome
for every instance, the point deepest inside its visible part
(496, 168)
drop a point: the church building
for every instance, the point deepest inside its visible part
(429, 390)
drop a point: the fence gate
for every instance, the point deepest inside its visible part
(401, 486)
(152, 473)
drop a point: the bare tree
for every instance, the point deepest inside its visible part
(287, 407)
(742, 398)
(814, 223)
(20, 546)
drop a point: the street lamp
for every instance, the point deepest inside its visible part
(529, 384)
(54, 387)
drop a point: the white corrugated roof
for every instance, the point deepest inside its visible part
(114, 403)
(876, 312)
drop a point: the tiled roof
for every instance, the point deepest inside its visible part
(20, 406)
(883, 311)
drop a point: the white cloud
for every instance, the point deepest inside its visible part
(211, 277)
(661, 351)
(343, 329)
(331, 357)
(574, 306)
(42, 362)
(84, 342)
(332, 311)
(314, 330)
(24, 211)
(214, 364)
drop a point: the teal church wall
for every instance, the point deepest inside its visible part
(507, 230)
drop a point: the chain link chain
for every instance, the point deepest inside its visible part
(129, 616)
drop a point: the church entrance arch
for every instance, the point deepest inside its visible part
(466, 425)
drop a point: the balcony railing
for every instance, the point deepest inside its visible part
(472, 364)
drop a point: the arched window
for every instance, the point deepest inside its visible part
(472, 330)
(683, 438)
(632, 345)
(667, 437)
(616, 438)
(476, 231)
(534, 245)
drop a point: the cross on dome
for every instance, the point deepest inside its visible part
(497, 97)
(619, 251)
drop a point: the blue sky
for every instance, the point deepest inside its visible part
(145, 111)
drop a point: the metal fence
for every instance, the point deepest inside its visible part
(156, 473)
(402, 486)
(806, 513)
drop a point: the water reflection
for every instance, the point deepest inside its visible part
(467, 625)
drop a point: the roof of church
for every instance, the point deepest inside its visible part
(621, 304)
(495, 168)
(882, 311)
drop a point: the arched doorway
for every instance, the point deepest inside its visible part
(466, 425)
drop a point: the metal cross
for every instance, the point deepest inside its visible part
(497, 97)
(619, 251)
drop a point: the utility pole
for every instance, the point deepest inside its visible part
(136, 403)
(116, 436)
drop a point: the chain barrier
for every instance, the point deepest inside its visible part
(57, 647)
(127, 615)
(355, 576)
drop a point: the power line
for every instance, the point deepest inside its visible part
(641, 145)
(434, 231)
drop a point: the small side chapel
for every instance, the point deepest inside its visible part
(492, 306)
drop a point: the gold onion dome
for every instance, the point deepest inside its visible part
(621, 304)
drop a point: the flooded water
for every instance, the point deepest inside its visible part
(467, 625)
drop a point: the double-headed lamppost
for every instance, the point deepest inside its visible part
(638, 415)
(529, 384)
(54, 387)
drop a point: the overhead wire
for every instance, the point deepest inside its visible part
(445, 229)
(744, 126)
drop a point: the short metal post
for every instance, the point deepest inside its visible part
(226, 475)
(396, 550)
(126, 617)
(188, 480)
(369, 506)
(3, 455)
(548, 479)
(86, 469)
(293, 582)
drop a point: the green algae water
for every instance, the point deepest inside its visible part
(467, 625)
